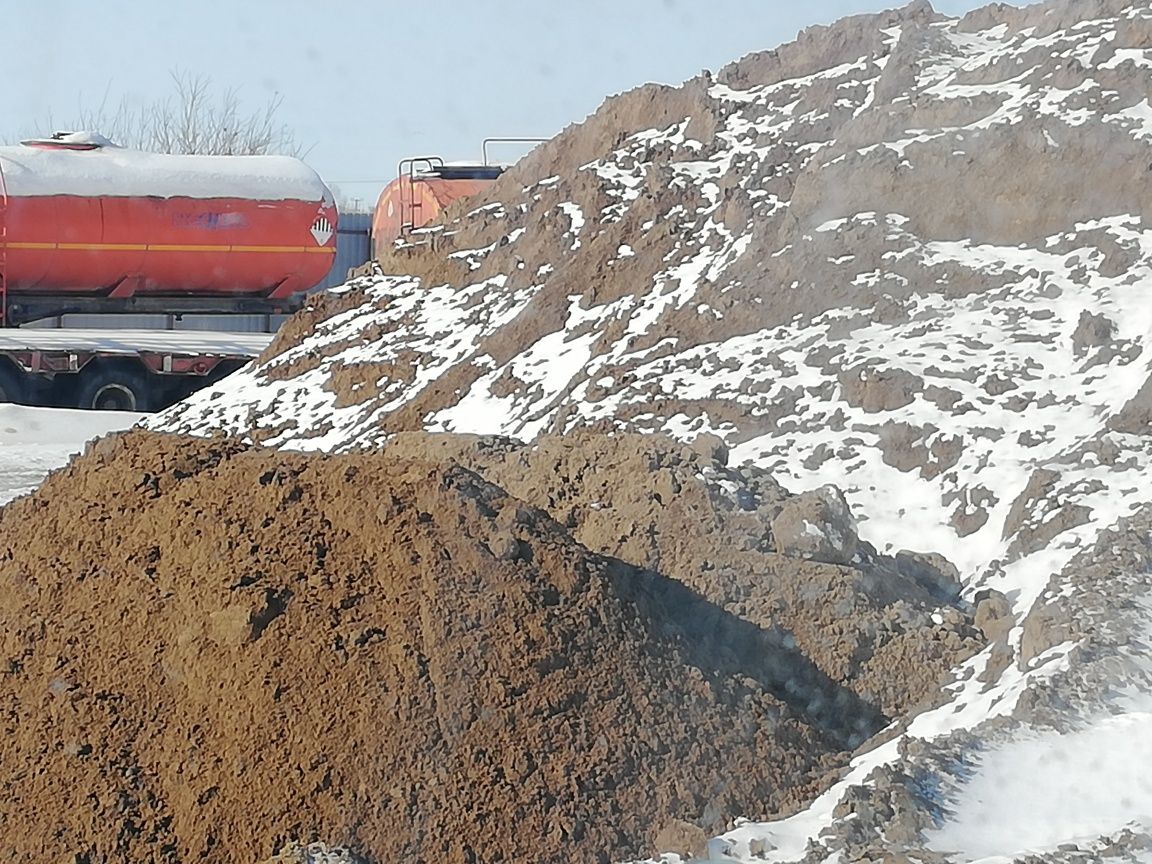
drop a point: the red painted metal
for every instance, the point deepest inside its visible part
(161, 245)
(3, 249)
(164, 246)
(413, 201)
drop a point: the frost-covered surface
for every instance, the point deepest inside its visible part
(131, 342)
(117, 171)
(907, 256)
(33, 441)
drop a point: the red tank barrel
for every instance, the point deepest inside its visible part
(423, 188)
(85, 217)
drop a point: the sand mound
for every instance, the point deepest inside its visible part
(888, 256)
(210, 651)
(887, 627)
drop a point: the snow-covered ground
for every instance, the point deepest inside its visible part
(33, 441)
(1072, 788)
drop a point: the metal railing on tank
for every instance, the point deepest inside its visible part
(484, 144)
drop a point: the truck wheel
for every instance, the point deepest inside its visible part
(114, 388)
(11, 387)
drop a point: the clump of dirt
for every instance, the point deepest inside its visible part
(210, 651)
(888, 628)
(1135, 418)
(321, 307)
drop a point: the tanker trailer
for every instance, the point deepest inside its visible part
(89, 227)
(423, 187)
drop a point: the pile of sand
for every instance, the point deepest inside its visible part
(211, 650)
(887, 627)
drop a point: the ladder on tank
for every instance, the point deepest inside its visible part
(412, 170)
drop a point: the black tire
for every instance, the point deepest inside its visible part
(114, 388)
(11, 384)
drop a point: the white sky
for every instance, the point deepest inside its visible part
(366, 83)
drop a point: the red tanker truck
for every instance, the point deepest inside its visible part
(89, 227)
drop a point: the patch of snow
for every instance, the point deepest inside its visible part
(34, 441)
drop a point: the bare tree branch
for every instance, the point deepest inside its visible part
(194, 119)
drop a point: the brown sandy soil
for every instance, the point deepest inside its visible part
(794, 182)
(211, 650)
(726, 533)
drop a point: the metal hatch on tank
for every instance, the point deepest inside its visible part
(96, 227)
